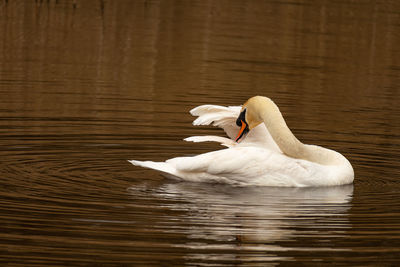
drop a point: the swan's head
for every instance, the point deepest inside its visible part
(249, 116)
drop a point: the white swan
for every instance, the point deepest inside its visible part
(267, 155)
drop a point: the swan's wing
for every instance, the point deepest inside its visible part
(216, 166)
(245, 166)
(234, 161)
(225, 118)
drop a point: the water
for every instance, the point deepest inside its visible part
(87, 85)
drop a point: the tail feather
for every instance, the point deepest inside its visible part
(164, 167)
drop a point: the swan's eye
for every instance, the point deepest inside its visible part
(242, 117)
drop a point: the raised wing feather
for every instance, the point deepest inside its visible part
(212, 138)
(225, 118)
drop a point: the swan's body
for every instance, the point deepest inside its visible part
(270, 155)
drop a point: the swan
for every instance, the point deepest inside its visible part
(261, 151)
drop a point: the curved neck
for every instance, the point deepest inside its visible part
(288, 143)
(280, 132)
(262, 109)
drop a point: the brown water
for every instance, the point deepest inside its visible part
(87, 85)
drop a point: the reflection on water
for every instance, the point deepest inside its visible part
(86, 85)
(240, 221)
(223, 224)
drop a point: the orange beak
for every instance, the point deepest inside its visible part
(241, 132)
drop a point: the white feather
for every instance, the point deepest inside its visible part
(211, 138)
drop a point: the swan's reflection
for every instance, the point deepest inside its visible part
(251, 219)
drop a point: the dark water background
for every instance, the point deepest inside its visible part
(87, 85)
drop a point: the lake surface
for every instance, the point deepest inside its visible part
(87, 85)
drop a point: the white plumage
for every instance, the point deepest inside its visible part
(257, 159)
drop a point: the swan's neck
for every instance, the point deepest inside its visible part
(280, 132)
(285, 139)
